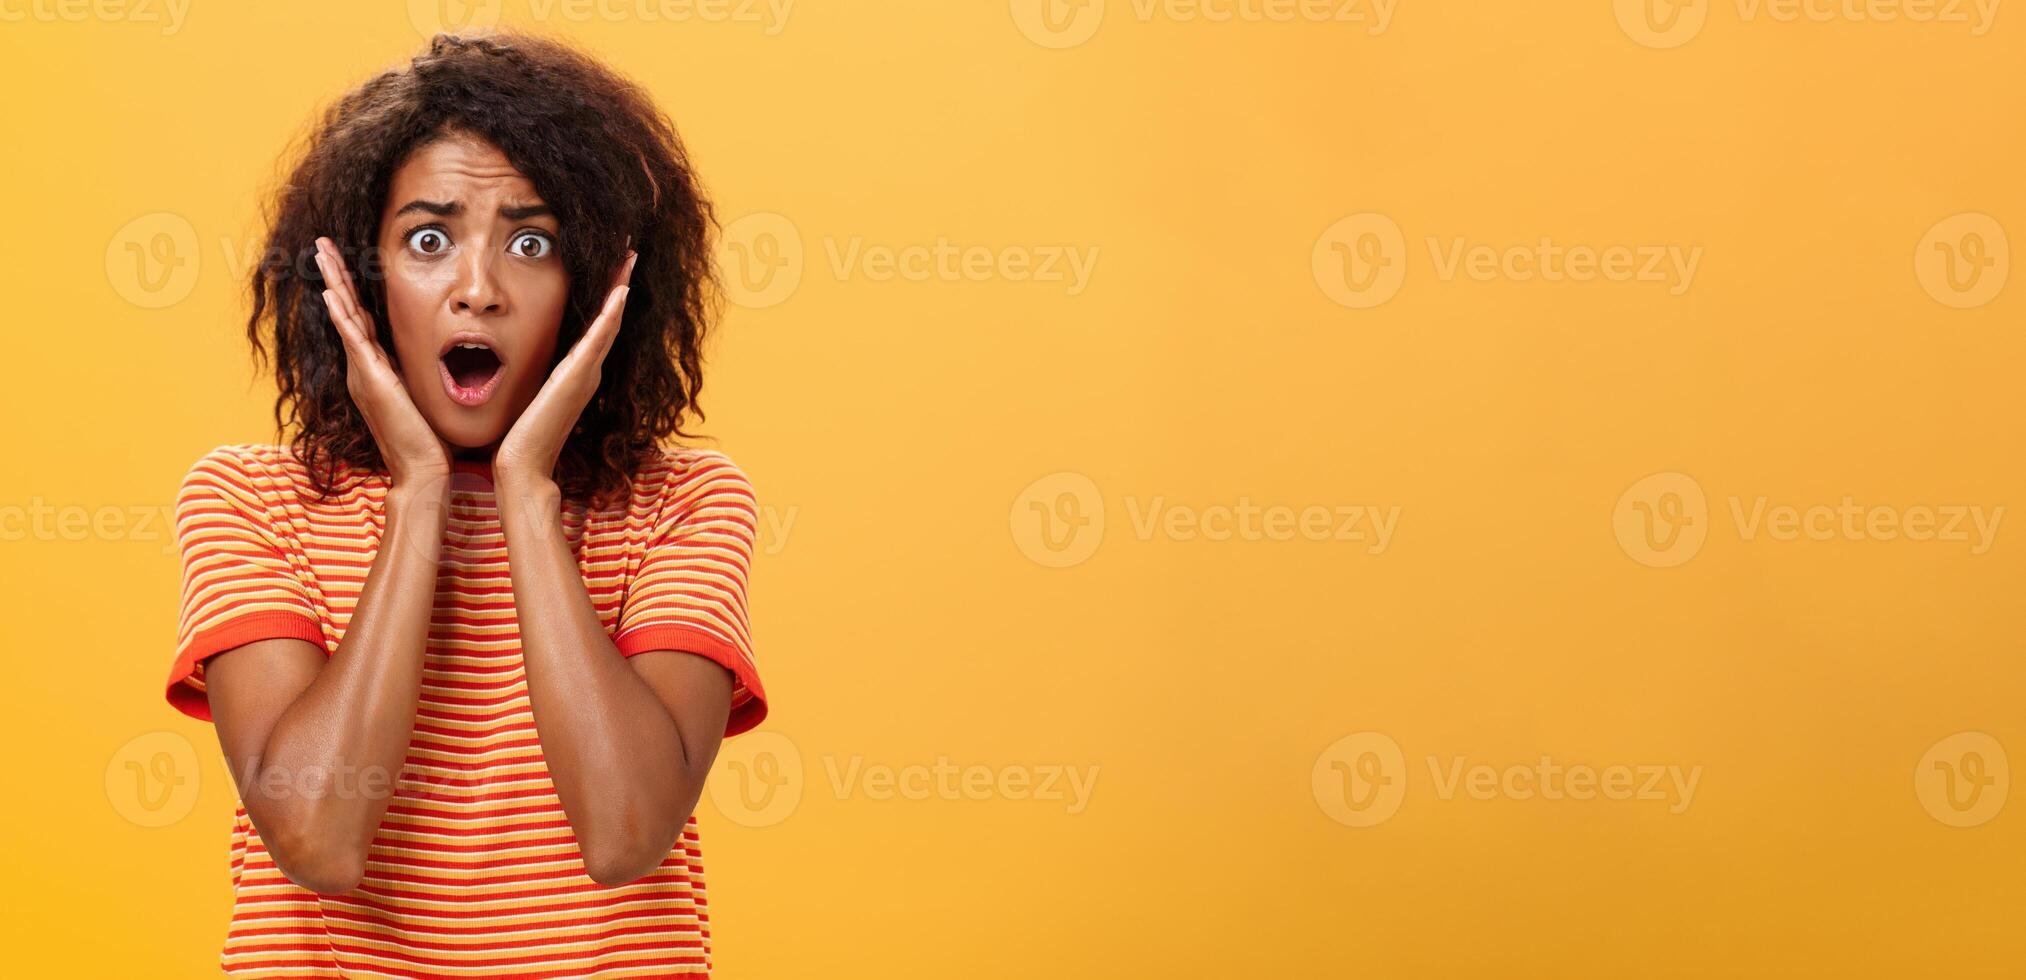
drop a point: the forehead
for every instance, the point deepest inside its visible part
(459, 168)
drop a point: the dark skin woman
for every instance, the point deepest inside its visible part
(580, 285)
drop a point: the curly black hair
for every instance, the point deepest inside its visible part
(605, 159)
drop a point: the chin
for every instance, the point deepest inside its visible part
(468, 433)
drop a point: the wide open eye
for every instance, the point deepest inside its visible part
(428, 240)
(532, 245)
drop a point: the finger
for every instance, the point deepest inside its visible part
(345, 306)
(357, 353)
(357, 340)
(348, 292)
(327, 264)
(605, 329)
(339, 277)
(358, 349)
(614, 313)
(341, 314)
(337, 319)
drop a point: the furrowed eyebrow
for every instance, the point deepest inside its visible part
(430, 207)
(453, 209)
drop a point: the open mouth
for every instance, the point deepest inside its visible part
(471, 370)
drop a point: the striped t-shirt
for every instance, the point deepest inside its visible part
(474, 871)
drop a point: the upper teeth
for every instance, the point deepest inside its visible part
(474, 346)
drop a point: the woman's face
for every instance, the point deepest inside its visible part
(471, 257)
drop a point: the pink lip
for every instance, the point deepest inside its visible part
(469, 397)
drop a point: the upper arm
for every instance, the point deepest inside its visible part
(688, 597)
(249, 686)
(697, 691)
(242, 582)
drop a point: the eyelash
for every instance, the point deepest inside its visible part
(408, 239)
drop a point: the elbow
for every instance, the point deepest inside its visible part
(328, 877)
(625, 843)
(330, 881)
(318, 865)
(622, 860)
(621, 867)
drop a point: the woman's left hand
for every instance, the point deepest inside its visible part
(527, 456)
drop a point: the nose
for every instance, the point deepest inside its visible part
(478, 289)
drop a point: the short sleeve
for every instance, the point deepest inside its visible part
(238, 584)
(689, 593)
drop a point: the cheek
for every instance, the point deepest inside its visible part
(547, 295)
(408, 313)
(544, 303)
(541, 357)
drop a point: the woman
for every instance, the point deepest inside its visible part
(471, 639)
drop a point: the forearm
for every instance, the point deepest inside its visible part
(614, 752)
(336, 752)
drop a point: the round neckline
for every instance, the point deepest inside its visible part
(471, 472)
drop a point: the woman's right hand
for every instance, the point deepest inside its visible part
(412, 451)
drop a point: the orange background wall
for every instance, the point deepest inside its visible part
(1666, 355)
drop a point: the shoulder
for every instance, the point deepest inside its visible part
(684, 470)
(245, 471)
(682, 480)
(240, 463)
(242, 457)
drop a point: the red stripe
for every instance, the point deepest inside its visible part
(263, 559)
